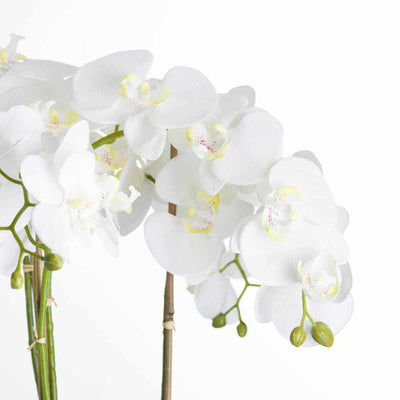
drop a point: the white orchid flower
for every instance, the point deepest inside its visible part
(114, 89)
(190, 244)
(232, 135)
(24, 130)
(34, 80)
(296, 249)
(70, 195)
(51, 99)
(136, 176)
(217, 215)
(323, 289)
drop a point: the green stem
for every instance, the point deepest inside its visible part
(227, 265)
(8, 177)
(44, 368)
(305, 312)
(51, 349)
(150, 178)
(36, 243)
(246, 286)
(36, 286)
(109, 139)
(31, 323)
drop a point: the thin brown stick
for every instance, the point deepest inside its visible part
(169, 311)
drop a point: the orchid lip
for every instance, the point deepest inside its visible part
(208, 144)
(318, 285)
(280, 212)
(143, 93)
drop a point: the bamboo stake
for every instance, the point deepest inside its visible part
(169, 311)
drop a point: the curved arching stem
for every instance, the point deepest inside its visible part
(166, 388)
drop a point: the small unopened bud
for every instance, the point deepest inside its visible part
(322, 334)
(53, 262)
(298, 336)
(17, 280)
(219, 321)
(242, 329)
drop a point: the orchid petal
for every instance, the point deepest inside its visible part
(11, 201)
(144, 138)
(97, 84)
(76, 140)
(127, 223)
(11, 160)
(343, 219)
(234, 243)
(9, 252)
(20, 122)
(44, 70)
(337, 246)
(178, 138)
(37, 176)
(177, 182)
(310, 156)
(255, 143)
(191, 98)
(211, 296)
(246, 91)
(229, 216)
(274, 262)
(76, 177)
(317, 202)
(178, 251)
(346, 284)
(51, 224)
(208, 181)
(228, 107)
(269, 300)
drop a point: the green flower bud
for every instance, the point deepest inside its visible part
(242, 329)
(17, 280)
(53, 262)
(219, 321)
(322, 334)
(298, 336)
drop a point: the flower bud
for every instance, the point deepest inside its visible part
(242, 329)
(53, 262)
(322, 334)
(219, 321)
(298, 336)
(17, 280)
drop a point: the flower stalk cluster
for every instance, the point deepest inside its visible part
(220, 320)
(41, 340)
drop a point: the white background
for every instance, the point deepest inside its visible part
(330, 72)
